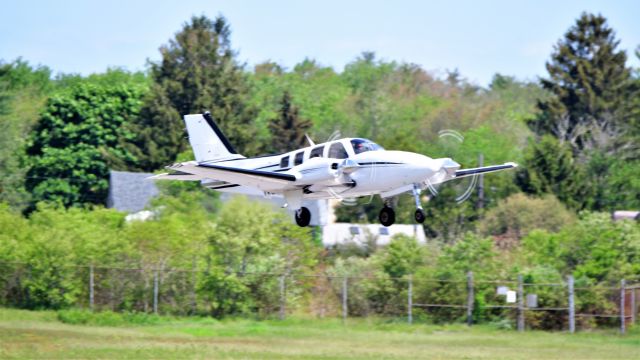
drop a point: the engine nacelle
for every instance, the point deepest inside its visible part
(317, 171)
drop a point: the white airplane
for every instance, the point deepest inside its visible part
(344, 168)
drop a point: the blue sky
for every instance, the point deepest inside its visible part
(479, 38)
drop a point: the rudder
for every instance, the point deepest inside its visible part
(207, 140)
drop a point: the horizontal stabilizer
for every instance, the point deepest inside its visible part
(178, 176)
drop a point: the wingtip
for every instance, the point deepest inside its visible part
(512, 164)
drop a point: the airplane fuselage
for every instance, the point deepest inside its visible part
(344, 168)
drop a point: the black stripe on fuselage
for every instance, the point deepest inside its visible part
(224, 186)
(379, 163)
(266, 174)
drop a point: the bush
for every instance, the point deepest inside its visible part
(516, 216)
(107, 318)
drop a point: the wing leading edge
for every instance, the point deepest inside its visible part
(485, 169)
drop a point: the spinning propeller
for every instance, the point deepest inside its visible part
(451, 142)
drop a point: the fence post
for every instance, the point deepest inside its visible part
(470, 298)
(91, 295)
(633, 306)
(410, 301)
(622, 315)
(283, 297)
(344, 299)
(194, 281)
(520, 304)
(572, 305)
(155, 292)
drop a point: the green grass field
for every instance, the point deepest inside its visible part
(30, 334)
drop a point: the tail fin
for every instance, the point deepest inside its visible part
(206, 139)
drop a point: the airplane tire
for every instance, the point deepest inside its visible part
(303, 217)
(387, 216)
(419, 216)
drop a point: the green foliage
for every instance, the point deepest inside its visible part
(107, 318)
(594, 247)
(79, 137)
(516, 216)
(23, 89)
(590, 83)
(549, 167)
(288, 129)
(403, 256)
(198, 72)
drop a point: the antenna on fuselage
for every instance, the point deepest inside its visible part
(311, 143)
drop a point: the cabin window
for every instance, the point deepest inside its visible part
(317, 152)
(284, 162)
(298, 159)
(384, 231)
(337, 151)
(354, 230)
(362, 145)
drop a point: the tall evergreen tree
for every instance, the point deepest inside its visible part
(550, 168)
(288, 129)
(590, 84)
(198, 72)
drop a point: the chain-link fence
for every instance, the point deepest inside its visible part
(512, 303)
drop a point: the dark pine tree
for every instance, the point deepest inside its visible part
(288, 129)
(198, 72)
(590, 86)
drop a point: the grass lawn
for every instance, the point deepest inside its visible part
(41, 334)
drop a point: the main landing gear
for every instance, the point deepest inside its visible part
(387, 216)
(303, 217)
(419, 214)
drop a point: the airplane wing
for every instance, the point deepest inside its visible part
(485, 169)
(262, 180)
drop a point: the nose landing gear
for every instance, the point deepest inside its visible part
(303, 217)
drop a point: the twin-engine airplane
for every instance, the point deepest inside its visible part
(345, 168)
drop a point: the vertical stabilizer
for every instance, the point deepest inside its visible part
(207, 140)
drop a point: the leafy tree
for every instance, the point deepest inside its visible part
(402, 257)
(23, 90)
(518, 215)
(79, 137)
(590, 86)
(288, 130)
(198, 72)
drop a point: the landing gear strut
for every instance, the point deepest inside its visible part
(419, 214)
(387, 216)
(303, 217)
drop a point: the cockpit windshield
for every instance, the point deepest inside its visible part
(362, 145)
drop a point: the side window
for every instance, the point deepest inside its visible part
(317, 152)
(298, 158)
(337, 151)
(284, 162)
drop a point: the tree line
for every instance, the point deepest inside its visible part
(575, 134)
